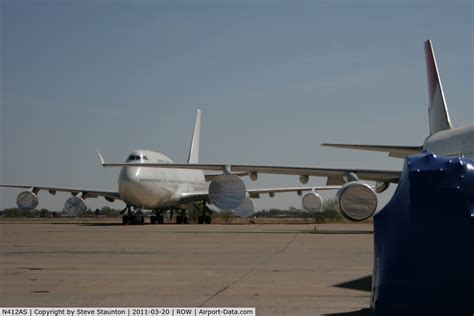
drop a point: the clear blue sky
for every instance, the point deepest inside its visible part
(274, 79)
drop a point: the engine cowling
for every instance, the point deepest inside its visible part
(246, 208)
(227, 192)
(75, 206)
(312, 202)
(356, 201)
(27, 200)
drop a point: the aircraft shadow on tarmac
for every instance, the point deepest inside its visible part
(343, 232)
(362, 312)
(101, 224)
(361, 284)
(316, 231)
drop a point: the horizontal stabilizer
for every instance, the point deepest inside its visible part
(393, 151)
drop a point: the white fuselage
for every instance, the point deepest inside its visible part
(155, 188)
(452, 142)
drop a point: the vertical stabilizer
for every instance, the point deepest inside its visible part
(194, 149)
(437, 110)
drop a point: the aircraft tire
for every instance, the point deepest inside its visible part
(179, 219)
(125, 220)
(200, 220)
(161, 219)
(153, 219)
(207, 220)
(141, 220)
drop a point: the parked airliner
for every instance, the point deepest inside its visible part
(160, 190)
(357, 200)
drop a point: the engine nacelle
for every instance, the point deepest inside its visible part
(356, 201)
(75, 206)
(246, 208)
(27, 200)
(312, 202)
(227, 192)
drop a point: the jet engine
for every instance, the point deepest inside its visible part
(27, 200)
(356, 201)
(246, 208)
(227, 192)
(75, 206)
(312, 202)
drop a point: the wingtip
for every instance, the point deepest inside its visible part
(100, 157)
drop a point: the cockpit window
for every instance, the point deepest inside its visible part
(136, 157)
(133, 157)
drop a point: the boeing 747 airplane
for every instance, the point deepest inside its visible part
(357, 200)
(147, 188)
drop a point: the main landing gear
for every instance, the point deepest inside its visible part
(182, 216)
(157, 218)
(133, 216)
(205, 213)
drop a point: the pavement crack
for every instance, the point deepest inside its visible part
(227, 286)
(286, 245)
(276, 252)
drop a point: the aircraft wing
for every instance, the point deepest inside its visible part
(108, 195)
(334, 176)
(255, 193)
(393, 151)
(210, 177)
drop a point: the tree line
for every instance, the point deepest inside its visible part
(14, 212)
(328, 213)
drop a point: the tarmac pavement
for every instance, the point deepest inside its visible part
(278, 269)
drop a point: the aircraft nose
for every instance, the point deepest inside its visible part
(130, 174)
(129, 185)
